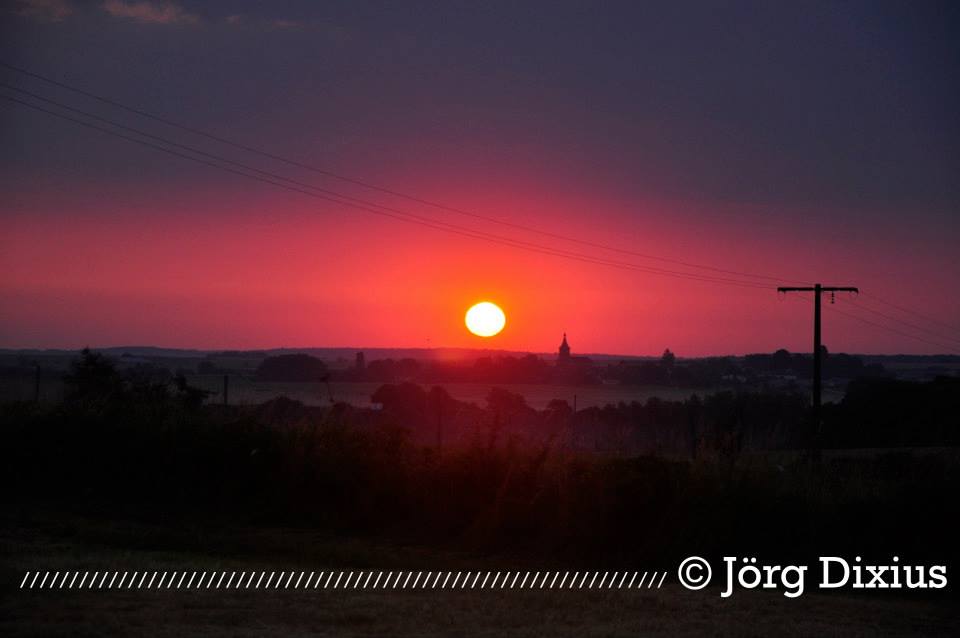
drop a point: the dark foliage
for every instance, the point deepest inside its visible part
(893, 413)
(292, 368)
(151, 450)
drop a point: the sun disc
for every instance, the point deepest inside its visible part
(485, 319)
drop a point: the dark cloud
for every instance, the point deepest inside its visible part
(149, 11)
(44, 10)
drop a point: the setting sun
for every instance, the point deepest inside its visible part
(485, 319)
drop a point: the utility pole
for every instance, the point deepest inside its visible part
(817, 290)
(226, 389)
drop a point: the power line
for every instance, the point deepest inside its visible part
(910, 311)
(947, 348)
(370, 206)
(392, 213)
(385, 190)
(901, 321)
(362, 202)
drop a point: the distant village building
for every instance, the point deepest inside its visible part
(361, 363)
(563, 357)
(571, 368)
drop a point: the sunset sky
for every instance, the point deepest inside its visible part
(803, 141)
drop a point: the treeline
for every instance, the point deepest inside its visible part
(712, 372)
(893, 413)
(875, 413)
(505, 369)
(835, 365)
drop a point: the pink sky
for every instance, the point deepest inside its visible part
(253, 268)
(799, 140)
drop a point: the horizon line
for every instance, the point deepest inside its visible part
(207, 351)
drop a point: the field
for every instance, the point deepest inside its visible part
(244, 391)
(81, 544)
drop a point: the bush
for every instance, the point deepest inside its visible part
(292, 368)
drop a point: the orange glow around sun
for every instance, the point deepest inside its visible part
(485, 319)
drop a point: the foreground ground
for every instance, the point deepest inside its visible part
(54, 543)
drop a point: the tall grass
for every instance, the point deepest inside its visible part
(341, 470)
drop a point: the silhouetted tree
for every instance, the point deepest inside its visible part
(505, 402)
(191, 398)
(207, 366)
(92, 375)
(405, 402)
(291, 368)
(668, 359)
(781, 359)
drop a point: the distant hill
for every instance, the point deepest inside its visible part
(428, 354)
(329, 354)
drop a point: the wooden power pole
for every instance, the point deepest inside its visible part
(817, 290)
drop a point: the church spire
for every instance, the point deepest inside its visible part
(564, 353)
